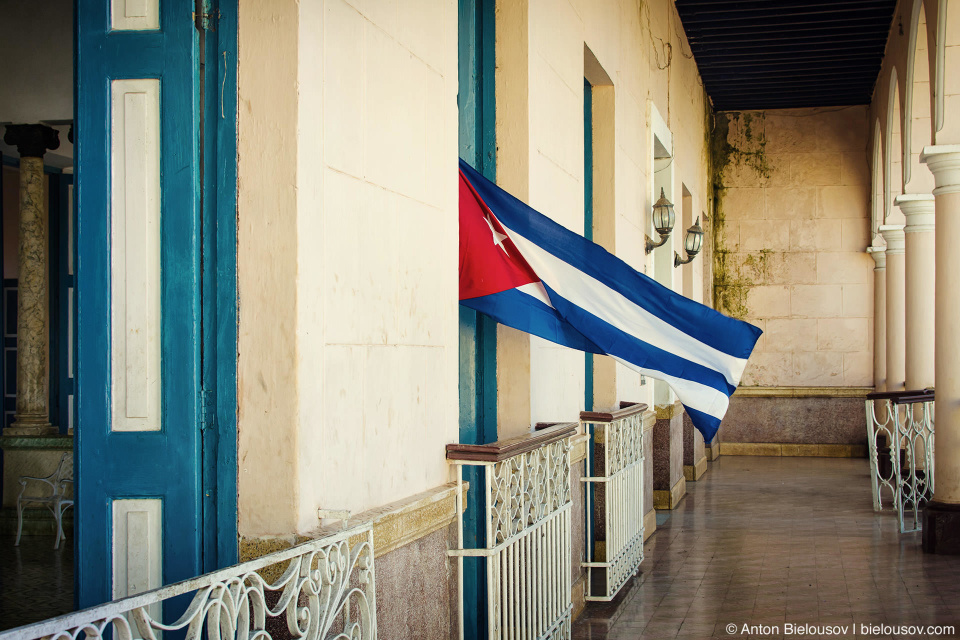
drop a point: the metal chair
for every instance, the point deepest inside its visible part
(53, 496)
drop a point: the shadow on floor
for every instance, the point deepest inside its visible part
(36, 580)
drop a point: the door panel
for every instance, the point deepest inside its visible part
(138, 293)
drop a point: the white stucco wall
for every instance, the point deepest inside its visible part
(370, 247)
(349, 238)
(378, 247)
(630, 42)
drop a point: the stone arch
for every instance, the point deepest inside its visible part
(892, 156)
(877, 194)
(918, 102)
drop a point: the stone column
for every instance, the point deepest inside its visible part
(920, 266)
(895, 316)
(33, 414)
(941, 519)
(879, 255)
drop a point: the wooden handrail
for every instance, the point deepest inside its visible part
(510, 447)
(626, 409)
(903, 397)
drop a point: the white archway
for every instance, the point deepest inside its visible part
(892, 156)
(917, 103)
(877, 193)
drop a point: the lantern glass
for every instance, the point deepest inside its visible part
(663, 215)
(694, 239)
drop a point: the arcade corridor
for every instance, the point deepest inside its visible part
(771, 541)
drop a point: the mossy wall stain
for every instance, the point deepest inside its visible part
(741, 145)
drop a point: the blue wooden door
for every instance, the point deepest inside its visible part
(139, 449)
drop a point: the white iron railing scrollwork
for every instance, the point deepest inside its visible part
(527, 511)
(900, 440)
(915, 436)
(883, 454)
(614, 499)
(326, 592)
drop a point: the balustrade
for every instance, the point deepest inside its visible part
(326, 592)
(900, 441)
(527, 515)
(614, 499)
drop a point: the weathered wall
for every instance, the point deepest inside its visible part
(795, 421)
(790, 235)
(267, 391)
(639, 64)
(377, 234)
(417, 589)
(347, 256)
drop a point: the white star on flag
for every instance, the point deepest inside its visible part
(498, 237)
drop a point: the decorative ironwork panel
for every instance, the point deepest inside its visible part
(616, 508)
(528, 553)
(884, 456)
(326, 592)
(915, 436)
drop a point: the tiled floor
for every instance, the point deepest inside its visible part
(779, 541)
(36, 580)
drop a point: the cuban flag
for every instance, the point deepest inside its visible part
(528, 272)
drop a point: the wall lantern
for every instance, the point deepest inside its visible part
(663, 219)
(692, 244)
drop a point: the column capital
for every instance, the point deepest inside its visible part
(918, 208)
(944, 162)
(32, 140)
(893, 234)
(879, 255)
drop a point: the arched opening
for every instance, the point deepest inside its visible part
(918, 122)
(893, 174)
(877, 194)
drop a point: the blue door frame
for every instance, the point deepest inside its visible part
(588, 217)
(191, 462)
(478, 333)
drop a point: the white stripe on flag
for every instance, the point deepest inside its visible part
(612, 307)
(693, 394)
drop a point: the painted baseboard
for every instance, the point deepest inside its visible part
(578, 449)
(712, 453)
(649, 524)
(793, 450)
(670, 499)
(394, 525)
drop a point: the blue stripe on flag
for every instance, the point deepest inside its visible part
(705, 423)
(700, 322)
(615, 342)
(524, 312)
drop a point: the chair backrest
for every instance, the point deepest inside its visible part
(64, 472)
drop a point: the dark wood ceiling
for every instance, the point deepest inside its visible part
(772, 54)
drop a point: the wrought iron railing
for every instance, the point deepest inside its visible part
(614, 499)
(900, 441)
(326, 592)
(527, 511)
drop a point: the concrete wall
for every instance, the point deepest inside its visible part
(790, 241)
(347, 256)
(631, 53)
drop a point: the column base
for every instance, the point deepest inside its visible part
(693, 472)
(31, 429)
(941, 528)
(649, 523)
(670, 499)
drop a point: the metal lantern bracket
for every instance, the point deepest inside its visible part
(663, 220)
(692, 244)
